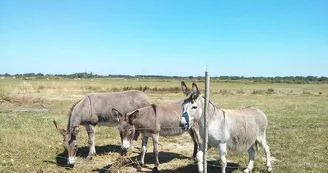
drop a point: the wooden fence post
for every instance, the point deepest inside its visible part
(207, 95)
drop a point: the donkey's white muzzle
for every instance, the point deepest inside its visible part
(125, 144)
(71, 161)
(184, 122)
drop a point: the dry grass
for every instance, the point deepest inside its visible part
(297, 132)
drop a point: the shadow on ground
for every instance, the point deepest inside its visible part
(61, 159)
(212, 167)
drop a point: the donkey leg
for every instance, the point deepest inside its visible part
(194, 139)
(91, 129)
(135, 139)
(251, 154)
(155, 146)
(199, 155)
(223, 152)
(267, 153)
(199, 158)
(143, 149)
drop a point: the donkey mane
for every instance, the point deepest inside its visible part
(154, 108)
(70, 113)
(216, 107)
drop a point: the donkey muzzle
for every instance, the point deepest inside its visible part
(184, 122)
(71, 161)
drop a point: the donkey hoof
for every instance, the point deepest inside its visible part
(139, 168)
(269, 169)
(88, 158)
(247, 170)
(155, 169)
(193, 158)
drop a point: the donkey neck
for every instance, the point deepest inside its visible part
(211, 111)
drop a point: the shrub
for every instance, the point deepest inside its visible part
(270, 91)
(174, 89)
(306, 92)
(126, 88)
(145, 88)
(240, 92)
(41, 87)
(291, 92)
(224, 92)
(258, 92)
(115, 89)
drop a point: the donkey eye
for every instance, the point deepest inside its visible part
(194, 107)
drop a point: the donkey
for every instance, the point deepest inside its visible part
(95, 109)
(152, 121)
(238, 130)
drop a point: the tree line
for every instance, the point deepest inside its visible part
(277, 79)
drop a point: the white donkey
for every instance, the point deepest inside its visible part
(238, 130)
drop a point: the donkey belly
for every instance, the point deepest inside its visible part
(240, 143)
(171, 132)
(107, 124)
(234, 143)
(237, 147)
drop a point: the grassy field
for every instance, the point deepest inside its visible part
(297, 132)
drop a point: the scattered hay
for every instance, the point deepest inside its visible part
(121, 162)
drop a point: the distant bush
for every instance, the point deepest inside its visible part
(258, 92)
(224, 92)
(115, 89)
(306, 92)
(240, 92)
(223, 79)
(41, 87)
(147, 88)
(175, 89)
(270, 91)
(140, 88)
(126, 88)
(91, 88)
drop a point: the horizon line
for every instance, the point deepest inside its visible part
(148, 75)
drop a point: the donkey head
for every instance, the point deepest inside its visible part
(191, 107)
(126, 128)
(70, 143)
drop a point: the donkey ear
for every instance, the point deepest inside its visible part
(184, 88)
(132, 116)
(61, 131)
(117, 114)
(195, 91)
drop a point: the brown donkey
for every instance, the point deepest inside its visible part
(152, 121)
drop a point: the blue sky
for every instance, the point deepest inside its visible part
(168, 37)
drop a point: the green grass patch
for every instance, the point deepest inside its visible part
(297, 130)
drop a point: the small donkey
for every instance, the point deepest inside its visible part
(152, 121)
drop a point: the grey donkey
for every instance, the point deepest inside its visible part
(96, 109)
(236, 129)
